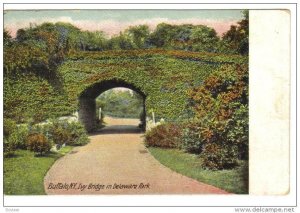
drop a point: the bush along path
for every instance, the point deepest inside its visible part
(30, 150)
(117, 162)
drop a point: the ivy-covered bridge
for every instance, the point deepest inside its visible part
(161, 77)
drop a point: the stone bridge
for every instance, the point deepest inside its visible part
(161, 77)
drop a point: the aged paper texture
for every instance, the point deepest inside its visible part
(269, 98)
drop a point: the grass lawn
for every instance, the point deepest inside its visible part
(234, 181)
(24, 173)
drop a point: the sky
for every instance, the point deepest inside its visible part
(113, 21)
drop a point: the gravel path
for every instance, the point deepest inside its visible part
(117, 162)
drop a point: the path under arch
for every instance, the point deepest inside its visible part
(117, 162)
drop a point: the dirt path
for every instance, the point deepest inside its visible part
(117, 162)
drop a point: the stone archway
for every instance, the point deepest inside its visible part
(87, 101)
(165, 77)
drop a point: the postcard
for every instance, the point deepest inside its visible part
(107, 101)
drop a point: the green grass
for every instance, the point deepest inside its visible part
(24, 172)
(65, 150)
(234, 181)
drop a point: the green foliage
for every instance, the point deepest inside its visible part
(61, 37)
(191, 141)
(29, 97)
(220, 107)
(41, 48)
(236, 40)
(218, 131)
(120, 42)
(14, 137)
(122, 104)
(63, 132)
(7, 39)
(58, 132)
(34, 88)
(171, 36)
(164, 135)
(39, 137)
(38, 143)
(198, 38)
(38, 49)
(9, 147)
(204, 39)
(19, 136)
(135, 37)
(164, 76)
(92, 41)
(9, 126)
(20, 58)
(219, 156)
(238, 131)
(138, 35)
(78, 135)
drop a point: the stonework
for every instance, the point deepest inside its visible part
(87, 113)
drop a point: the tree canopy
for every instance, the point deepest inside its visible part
(120, 103)
(50, 42)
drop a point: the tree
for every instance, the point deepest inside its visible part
(182, 37)
(67, 36)
(171, 36)
(185, 37)
(120, 103)
(236, 40)
(138, 35)
(37, 49)
(162, 35)
(204, 39)
(92, 41)
(7, 39)
(122, 41)
(21, 35)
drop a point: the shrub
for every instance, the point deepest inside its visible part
(165, 135)
(208, 137)
(9, 126)
(58, 132)
(8, 147)
(238, 131)
(38, 143)
(60, 135)
(14, 137)
(199, 132)
(63, 132)
(191, 140)
(216, 157)
(220, 105)
(78, 135)
(19, 136)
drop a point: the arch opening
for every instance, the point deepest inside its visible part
(87, 102)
